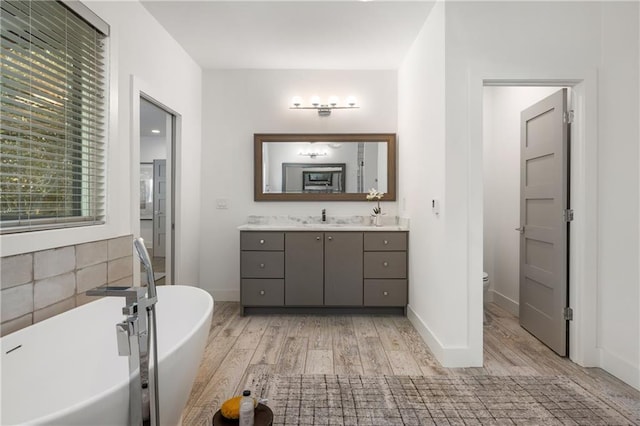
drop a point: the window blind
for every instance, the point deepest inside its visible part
(52, 118)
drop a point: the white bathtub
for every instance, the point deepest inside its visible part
(68, 372)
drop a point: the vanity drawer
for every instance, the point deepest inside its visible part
(385, 292)
(380, 264)
(265, 292)
(261, 240)
(262, 264)
(385, 241)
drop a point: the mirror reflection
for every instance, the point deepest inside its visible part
(323, 167)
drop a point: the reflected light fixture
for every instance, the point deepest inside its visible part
(313, 154)
(319, 151)
(324, 109)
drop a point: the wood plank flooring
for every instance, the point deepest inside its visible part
(240, 348)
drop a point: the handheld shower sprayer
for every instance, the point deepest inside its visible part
(143, 255)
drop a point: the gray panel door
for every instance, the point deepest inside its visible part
(343, 282)
(543, 241)
(303, 259)
(159, 208)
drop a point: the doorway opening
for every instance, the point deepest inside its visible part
(157, 177)
(502, 212)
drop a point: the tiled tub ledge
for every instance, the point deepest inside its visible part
(41, 284)
(333, 223)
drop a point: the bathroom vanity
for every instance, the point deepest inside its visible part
(323, 268)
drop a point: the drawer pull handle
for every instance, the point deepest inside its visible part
(317, 238)
(385, 242)
(385, 264)
(385, 293)
(261, 292)
(262, 265)
(330, 238)
(261, 241)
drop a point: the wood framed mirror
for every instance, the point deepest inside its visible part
(323, 167)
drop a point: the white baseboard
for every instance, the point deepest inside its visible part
(622, 369)
(504, 302)
(226, 295)
(450, 357)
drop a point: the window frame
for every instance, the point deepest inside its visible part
(90, 153)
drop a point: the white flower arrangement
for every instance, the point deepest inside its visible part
(374, 194)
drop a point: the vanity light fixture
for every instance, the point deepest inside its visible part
(324, 109)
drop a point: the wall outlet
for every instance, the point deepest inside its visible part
(222, 203)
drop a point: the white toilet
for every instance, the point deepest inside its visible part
(485, 286)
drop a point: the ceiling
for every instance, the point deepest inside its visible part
(298, 34)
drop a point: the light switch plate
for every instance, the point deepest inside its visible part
(222, 203)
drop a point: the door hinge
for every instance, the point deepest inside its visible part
(567, 215)
(568, 314)
(568, 116)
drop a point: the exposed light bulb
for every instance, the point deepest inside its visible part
(315, 100)
(351, 100)
(296, 101)
(333, 100)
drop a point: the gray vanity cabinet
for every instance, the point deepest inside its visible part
(385, 269)
(304, 271)
(261, 269)
(343, 262)
(331, 270)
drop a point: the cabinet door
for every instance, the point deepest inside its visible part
(343, 262)
(385, 264)
(303, 285)
(261, 264)
(263, 241)
(385, 241)
(385, 292)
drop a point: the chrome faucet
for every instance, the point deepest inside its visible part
(324, 215)
(134, 336)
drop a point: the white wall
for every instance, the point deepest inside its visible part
(140, 47)
(501, 167)
(239, 103)
(520, 40)
(152, 148)
(433, 303)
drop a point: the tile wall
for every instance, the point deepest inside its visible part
(41, 284)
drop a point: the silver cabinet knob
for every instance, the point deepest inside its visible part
(261, 241)
(385, 264)
(385, 293)
(261, 292)
(262, 265)
(317, 238)
(385, 242)
(521, 229)
(330, 238)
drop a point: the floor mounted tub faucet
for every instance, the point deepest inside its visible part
(134, 336)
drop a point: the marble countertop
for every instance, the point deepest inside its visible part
(312, 223)
(320, 227)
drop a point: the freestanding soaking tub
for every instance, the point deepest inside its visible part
(66, 370)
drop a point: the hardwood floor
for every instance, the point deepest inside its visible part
(240, 348)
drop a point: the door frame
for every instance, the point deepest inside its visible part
(583, 188)
(140, 89)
